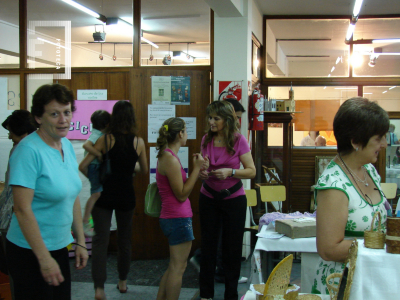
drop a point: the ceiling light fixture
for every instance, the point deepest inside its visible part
(374, 56)
(392, 87)
(101, 52)
(149, 42)
(98, 36)
(357, 8)
(182, 56)
(86, 10)
(384, 92)
(384, 41)
(354, 19)
(151, 54)
(324, 87)
(333, 69)
(338, 59)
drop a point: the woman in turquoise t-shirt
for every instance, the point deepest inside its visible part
(45, 182)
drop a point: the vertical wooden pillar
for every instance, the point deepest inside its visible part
(23, 50)
(137, 7)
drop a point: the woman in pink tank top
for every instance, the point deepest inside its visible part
(176, 212)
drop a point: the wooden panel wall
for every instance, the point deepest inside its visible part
(303, 176)
(134, 84)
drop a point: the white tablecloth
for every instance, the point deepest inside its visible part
(377, 273)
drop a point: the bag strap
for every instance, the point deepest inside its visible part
(105, 141)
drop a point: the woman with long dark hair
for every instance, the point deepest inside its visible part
(125, 148)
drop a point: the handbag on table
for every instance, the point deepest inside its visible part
(105, 166)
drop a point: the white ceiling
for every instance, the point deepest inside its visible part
(187, 21)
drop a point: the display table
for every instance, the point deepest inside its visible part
(267, 247)
(376, 276)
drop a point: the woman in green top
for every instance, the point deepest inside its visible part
(348, 193)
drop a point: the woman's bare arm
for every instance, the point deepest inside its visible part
(332, 214)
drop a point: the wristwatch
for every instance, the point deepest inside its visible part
(233, 172)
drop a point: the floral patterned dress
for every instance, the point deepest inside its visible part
(359, 218)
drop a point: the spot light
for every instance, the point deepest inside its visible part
(114, 57)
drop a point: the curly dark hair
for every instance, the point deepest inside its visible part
(224, 110)
(165, 136)
(357, 120)
(49, 92)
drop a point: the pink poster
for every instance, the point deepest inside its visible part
(81, 126)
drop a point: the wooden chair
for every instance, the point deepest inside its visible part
(321, 162)
(278, 281)
(251, 196)
(390, 191)
(273, 193)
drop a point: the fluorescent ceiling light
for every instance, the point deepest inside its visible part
(46, 41)
(329, 75)
(333, 69)
(384, 92)
(324, 87)
(350, 31)
(337, 60)
(392, 87)
(389, 41)
(82, 8)
(357, 8)
(148, 42)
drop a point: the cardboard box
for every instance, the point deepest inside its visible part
(295, 229)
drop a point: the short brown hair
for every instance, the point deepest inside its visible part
(49, 92)
(357, 120)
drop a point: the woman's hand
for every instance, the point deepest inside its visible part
(221, 174)
(81, 257)
(51, 271)
(206, 163)
(198, 160)
(203, 175)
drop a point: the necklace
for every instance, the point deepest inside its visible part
(369, 200)
(353, 174)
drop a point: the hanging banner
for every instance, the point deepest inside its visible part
(81, 127)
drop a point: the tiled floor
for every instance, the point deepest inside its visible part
(145, 276)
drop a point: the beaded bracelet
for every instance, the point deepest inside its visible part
(81, 246)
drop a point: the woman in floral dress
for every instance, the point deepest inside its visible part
(348, 193)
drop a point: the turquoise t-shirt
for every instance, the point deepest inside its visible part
(94, 136)
(56, 184)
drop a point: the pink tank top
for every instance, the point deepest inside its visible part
(171, 207)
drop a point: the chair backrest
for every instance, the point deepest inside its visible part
(279, 278)
(389, 189)
(251, 196)
(321, 162)
(270, 193)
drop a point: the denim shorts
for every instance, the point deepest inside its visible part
(94, 178)
(177, 230)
